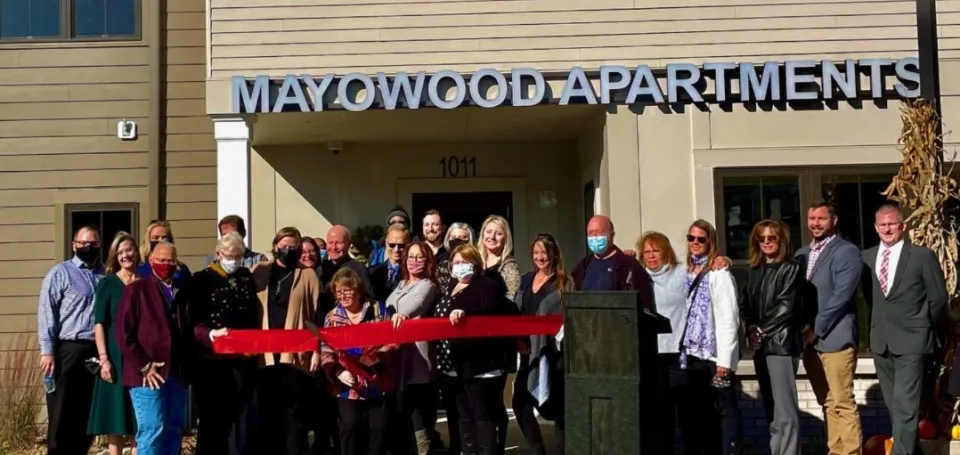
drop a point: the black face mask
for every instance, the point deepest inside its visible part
(289, 257)
(88, 254)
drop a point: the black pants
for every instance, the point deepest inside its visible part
(322, 419)
(226, 404)
(68, 407)
(283, 397)
(416, 408)
(523, 407)
(709, 414)
(673, 384)
(364, 425)
(480, 406)
(449, 387)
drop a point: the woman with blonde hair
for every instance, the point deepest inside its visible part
(159, 231)
(770, 308)
(710, 345)
(111, 411)
(496, 250)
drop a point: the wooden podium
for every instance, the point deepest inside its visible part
(610, 370)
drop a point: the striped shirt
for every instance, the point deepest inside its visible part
(65, 310)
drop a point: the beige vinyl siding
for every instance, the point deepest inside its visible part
(190, 158)
(282, 36)
(59, 108)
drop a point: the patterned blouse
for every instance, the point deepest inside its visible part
(379, 363)
(442, 310)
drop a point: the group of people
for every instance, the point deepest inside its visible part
(121, 341)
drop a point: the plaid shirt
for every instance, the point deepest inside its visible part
(815, 249)
(381, 360)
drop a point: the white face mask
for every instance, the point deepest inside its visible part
(230, 265)
(461, 271)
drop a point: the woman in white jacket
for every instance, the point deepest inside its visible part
(710, 346)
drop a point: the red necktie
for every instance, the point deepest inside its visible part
(884, 266)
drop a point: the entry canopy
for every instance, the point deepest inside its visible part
(716, 82)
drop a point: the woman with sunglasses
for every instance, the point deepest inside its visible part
(710, 346)
(769, 307)
(541, 293)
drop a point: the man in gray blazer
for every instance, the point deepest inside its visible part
(832, 268)
(908, 297)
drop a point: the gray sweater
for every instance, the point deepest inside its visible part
(413, 301)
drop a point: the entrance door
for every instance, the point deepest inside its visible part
(470, 208)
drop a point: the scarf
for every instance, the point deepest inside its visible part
(700, 338)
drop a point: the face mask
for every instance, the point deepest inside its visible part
(415, 268)
(88, 254)
(461, 271)
(230, 265)
(163, 271)
(597, 244)
(322, 255)
(289, 257)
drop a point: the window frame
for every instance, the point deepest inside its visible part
(810, 178)
(70, 208)
(67, 10)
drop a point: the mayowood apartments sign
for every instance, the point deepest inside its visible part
(772, 81)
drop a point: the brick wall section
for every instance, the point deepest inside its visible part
(873, 413)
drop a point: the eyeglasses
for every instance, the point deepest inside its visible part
(346, 291)
(86, 244)
(767, 238)
(696, 239)
(416, 259)
(395, 246)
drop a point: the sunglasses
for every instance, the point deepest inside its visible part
(767, 238)
(395, 246)
(696, 239)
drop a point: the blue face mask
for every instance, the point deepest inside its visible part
(322, 255)
(598, 244)
(461, 271)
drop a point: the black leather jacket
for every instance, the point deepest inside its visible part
(770, 299)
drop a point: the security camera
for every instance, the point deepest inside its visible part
(335, 147)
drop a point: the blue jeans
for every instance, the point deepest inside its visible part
(160, 417)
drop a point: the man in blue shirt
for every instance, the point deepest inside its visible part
(65, 332)
(607, 268)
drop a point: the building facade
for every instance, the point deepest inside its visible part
(68, 77)
(222, 93)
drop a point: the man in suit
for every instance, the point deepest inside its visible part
(908, 296)
(832, 268)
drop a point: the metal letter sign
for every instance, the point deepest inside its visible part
(795, 80)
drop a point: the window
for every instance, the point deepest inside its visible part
(747, 196)
(748, 200)
(109, 218)
(69, 19)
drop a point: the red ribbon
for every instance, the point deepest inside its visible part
(381, 333)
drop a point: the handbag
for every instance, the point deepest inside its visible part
(92, 365)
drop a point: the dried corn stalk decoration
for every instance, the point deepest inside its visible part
(925, 190)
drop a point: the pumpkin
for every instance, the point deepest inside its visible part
(927, 429)
(876, 445)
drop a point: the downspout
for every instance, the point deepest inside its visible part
(155, 11)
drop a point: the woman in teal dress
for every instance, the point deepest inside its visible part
(111, 412)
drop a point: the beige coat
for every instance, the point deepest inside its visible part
(304, 294)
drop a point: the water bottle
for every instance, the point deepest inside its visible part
(49, 385)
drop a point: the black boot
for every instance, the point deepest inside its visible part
(468, 437)
(487, 436)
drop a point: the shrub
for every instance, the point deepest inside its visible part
(21, 395)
